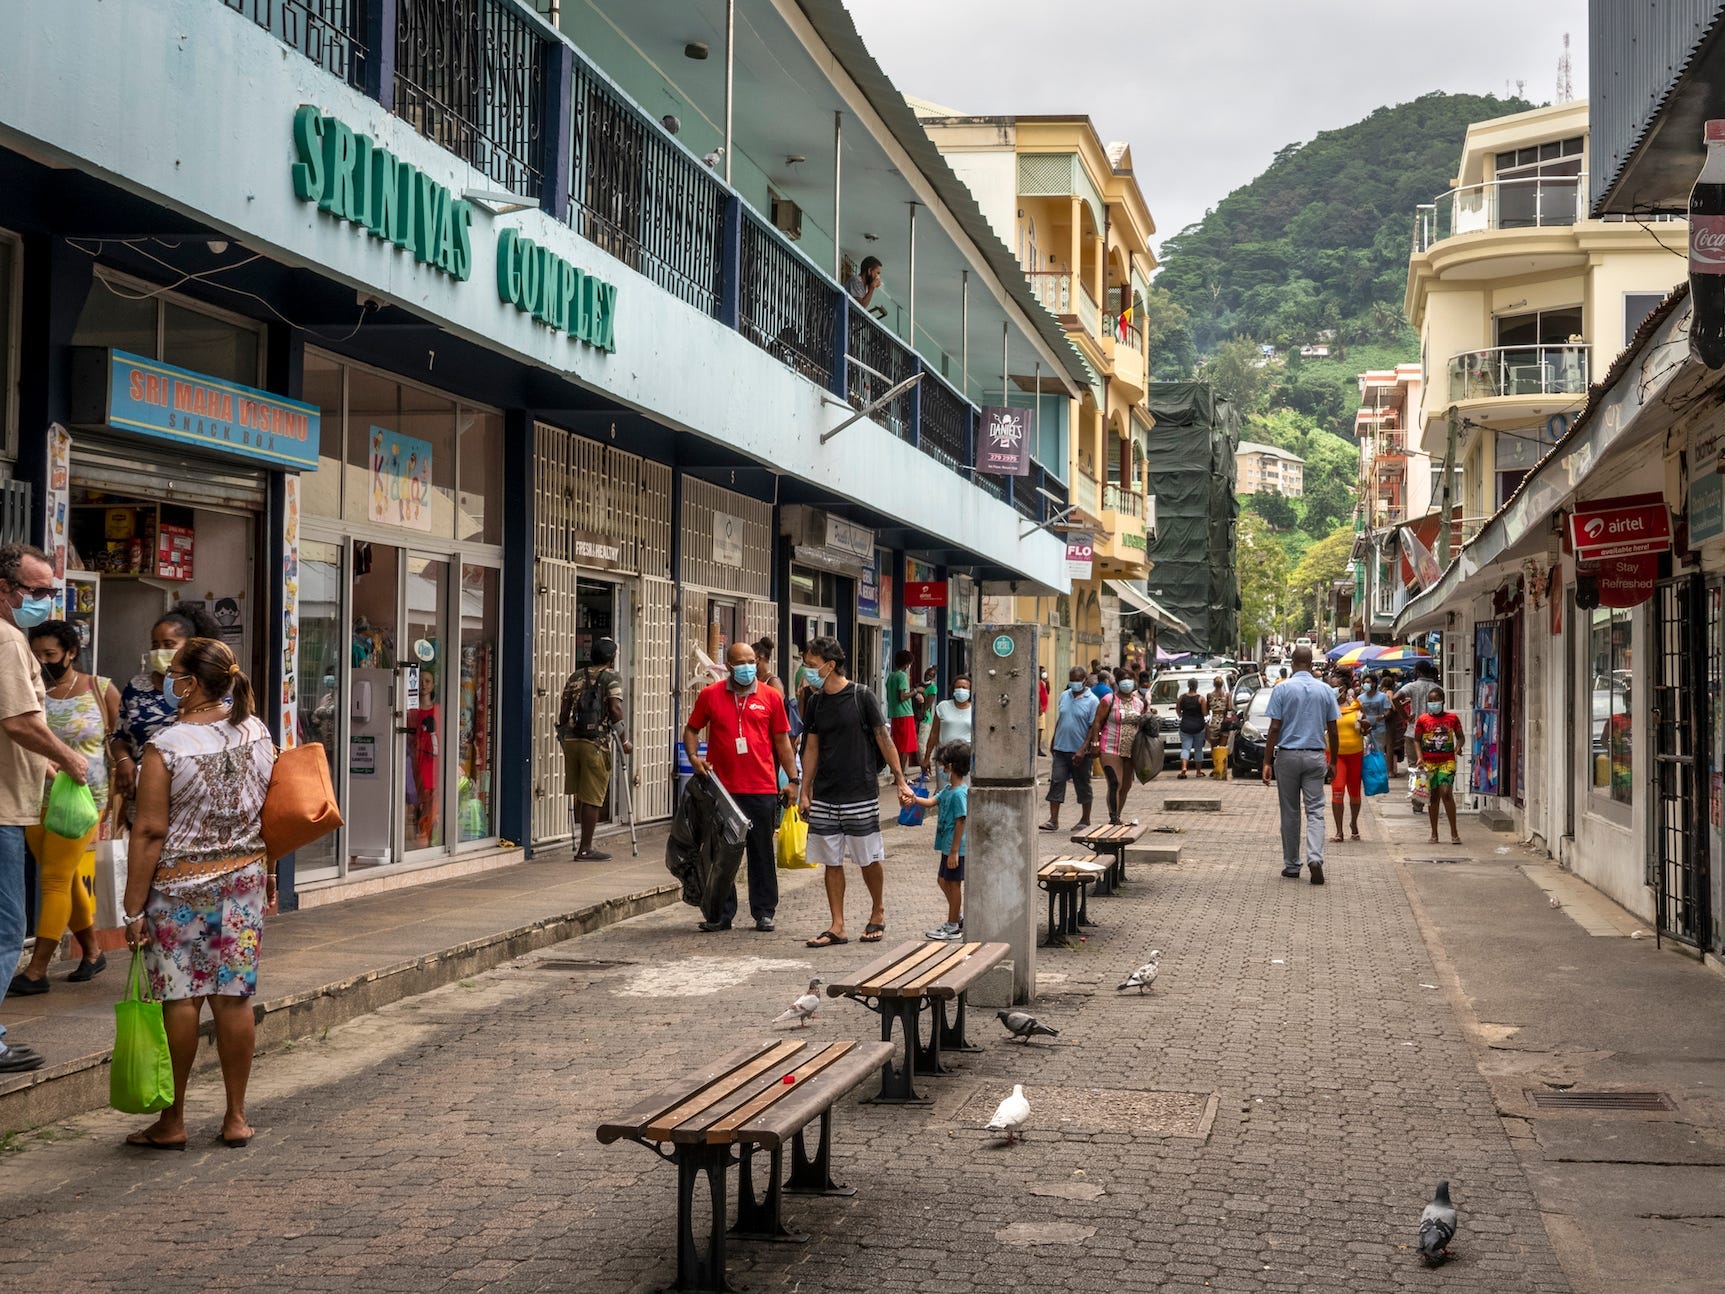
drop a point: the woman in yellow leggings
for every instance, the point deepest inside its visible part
(82, 710)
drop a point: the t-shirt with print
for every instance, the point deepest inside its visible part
(610, 685)
(950, 805)
(1438, 737)
(898, 704)
(21, 693)
(844, 723)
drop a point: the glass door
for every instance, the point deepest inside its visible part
(322, 690)
(374, 775)
(427, 799)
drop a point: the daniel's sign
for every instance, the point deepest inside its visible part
(1627, 526)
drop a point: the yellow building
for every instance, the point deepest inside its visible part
(1070, 206)
(1521, 301)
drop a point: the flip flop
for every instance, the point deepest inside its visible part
(873, 932)
(145, 1141)
(825, 939)
(1048, 826)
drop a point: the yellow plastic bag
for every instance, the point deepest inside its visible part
(793, 841)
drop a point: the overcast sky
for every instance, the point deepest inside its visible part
(1207, 91)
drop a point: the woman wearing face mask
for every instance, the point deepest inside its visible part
(81, 711)
(1121, 714)
(953, 720)
(144, 708)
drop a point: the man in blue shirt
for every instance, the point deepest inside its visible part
(1303, 715)
(1074, 735)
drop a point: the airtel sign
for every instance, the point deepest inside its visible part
(1629, 526)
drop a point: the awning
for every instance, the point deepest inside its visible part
(1140, 601)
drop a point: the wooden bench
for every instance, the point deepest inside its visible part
(912, 979)
(1065, 879)
(1112, 841)
(728, 1113)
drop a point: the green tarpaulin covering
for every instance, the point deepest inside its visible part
(1191, 458)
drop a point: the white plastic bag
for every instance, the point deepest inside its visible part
(111, 883)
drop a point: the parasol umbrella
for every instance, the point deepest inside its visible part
(1342, 649)
(1359, 656)
(1400, 654)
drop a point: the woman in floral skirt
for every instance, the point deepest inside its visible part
(198, 885)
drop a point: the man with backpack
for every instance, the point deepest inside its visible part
(592, 707)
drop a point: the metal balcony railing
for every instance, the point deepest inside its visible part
(785, 306)
(876, 361)
(944, 425)
(1518, 370)
(470, 75)
(1532, 203)
(328, 32)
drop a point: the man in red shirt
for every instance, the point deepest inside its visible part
(748, 733)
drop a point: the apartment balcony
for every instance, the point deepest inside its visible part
(1504, 372)
(1542, 202)
(1125, 523)
(1086, 494)
(1126, 361)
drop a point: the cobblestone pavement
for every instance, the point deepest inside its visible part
(447, 1142)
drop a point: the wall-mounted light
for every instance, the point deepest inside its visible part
(695, 49)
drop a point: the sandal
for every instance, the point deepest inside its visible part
(873, 932)
(1049, 826)
(825, 939)
(145, 1141)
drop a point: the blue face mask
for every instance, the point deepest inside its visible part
(743, 675)
(1127, 685)
(170, 698)
(1075, 686)
(961, 694)
(33, 612)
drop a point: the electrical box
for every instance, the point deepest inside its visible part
(1004, 699)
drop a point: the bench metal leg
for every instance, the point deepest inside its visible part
(814, 1176)
(1105, 883)
(897, 1082)
(762, 1219)
(1062, 916)
(952, 1033)
(1083, 918)
(698, 1272)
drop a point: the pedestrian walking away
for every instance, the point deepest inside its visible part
(1350, 755)
(592, 709)
(198, 885)
(1075, 725)
(748, 743)
(952, 808)
(901, 707)
(1438, 735)
(1119, 718)
(1299, 756)
(840, 795)
(28, 748)
(1193, 721)
(1218, 724)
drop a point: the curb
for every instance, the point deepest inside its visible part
(80, 1085)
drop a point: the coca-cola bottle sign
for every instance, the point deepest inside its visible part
(1707, 254)
(1707, 244)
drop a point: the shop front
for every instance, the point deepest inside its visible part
(824, 556)
(394, 621)
(874, 620)
(725, 571)
(921, 616)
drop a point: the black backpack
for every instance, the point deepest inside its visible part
(583, 708)
(820, 699)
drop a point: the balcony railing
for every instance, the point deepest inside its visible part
(944, 427)
(1518, 370)
(328, 32)
(1089, 313)
(784, 306)
(1085, 494)
(1532, 203)
(1121, 498)
(650, 204)
(470, 75)
(1131, 334)
(877, 362)
(1053, 288)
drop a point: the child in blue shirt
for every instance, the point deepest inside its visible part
(952, 806)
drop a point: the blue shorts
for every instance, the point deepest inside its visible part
(952, 870)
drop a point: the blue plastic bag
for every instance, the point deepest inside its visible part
(910, 815)
(1375, 773)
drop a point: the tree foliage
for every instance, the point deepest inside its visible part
(1275, 508)
(1325, 562)
(1263, 570)
(1173, 356)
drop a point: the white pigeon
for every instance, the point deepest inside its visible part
(1010, 1115)
(1144, 976)
(803, 1008)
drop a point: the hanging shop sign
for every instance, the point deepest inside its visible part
(925, 593)
(1080, 554)
(848, 537)
(400, 492)
(1005, 446)
(1628, 526)
(868, 586)
(167, 403)
(1706, 508)
(1623, 581)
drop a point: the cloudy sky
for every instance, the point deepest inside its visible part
(1207, 91)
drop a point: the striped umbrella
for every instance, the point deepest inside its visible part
(1359, 656)
(1342, 649)
(1400, 654)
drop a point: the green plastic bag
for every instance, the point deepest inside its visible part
(141, 1078)
(71, 808)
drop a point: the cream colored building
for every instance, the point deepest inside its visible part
(1266, 467)
(1071, 207)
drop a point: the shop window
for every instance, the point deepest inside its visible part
(132, 316)
(116, 315)
(11, 289)
(476, 760)
(320, 491)
(479, 477)
(204, 344)
(1611, 728)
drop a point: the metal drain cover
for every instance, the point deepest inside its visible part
(1545, 1099)
(563, 964)
(1166, 1114)
(1425, 859)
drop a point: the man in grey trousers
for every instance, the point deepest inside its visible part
(1300, 754)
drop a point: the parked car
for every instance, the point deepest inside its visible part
(1245, 686)
(1168, 687)
(1248, 757)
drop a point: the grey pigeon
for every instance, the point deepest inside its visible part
(1010, 1115)
(1023, 1025)
(803, 1009)
(1437, 1228)
(1144, 976)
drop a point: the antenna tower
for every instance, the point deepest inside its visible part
(1565, 73)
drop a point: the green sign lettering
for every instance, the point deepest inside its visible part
(537, 281)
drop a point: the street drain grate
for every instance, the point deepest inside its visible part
(1578, 1100)
(1424, 859)
(562, 964)
(1165, 1114)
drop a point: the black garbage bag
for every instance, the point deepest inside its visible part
(1147, 752)
(705, 847)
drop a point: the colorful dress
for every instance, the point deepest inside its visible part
(205, 912)
(81, 721)
(1438, 737)
(1120, 728)
(143, 711)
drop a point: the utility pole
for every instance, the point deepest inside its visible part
(1445, 525)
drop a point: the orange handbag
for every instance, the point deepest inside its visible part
(300, 805)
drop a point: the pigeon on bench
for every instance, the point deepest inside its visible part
(1437, 1228)
(803, 1009)
(1144, 976)
(1022, 1025)
(1010, 1115)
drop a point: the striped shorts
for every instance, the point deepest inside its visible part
(837, 831)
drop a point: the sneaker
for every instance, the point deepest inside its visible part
(1317, 873)
(946, 930)
(1292, 872)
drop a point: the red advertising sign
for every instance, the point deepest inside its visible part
(1630, 526)
(1627, 581)
(925, 593)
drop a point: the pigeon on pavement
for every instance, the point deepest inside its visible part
(1145, 975)
(1010, 1115)
(804, 1008)
(1023, 1025)
(1437, 1228)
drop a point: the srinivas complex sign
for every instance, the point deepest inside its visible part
(355, 179)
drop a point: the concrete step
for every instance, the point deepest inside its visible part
(1152, 852)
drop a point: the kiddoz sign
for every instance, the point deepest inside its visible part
(1629, 526)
